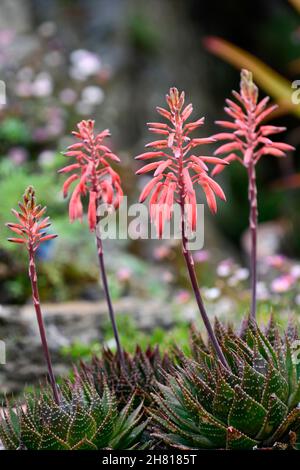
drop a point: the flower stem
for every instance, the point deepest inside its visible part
(191, 270)
(253, 214)
(189, 259)
(108, 298)
(39, 316)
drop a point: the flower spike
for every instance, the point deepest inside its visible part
(178, 167)
(175, 174)
(31, 227)
(97, 179)
(247, 140)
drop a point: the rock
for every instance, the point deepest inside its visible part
(15, 14)
(270, 236)
(65, 324)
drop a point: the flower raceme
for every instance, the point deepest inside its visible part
(175, 174)
(31, 225)
(245, 133)
(178, 166)
(97, 179)
(93, 172)
(30, 229)
(249, 140)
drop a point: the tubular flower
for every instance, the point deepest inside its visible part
(31, 232)
(246, 135)
(93, 172)
(178, 166)
(31, 226)
(248, 140)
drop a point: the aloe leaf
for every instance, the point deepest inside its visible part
(223, 399)
(291, 422)
(246, 414)
(84, 444)
(296, 4)
(253, 382)
(212, 430)
(10, 430)
(294, 398)
(236, 440)
(275, 384)
(277, 411)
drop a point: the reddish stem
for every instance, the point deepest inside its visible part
(108, 299)
(191, 269)
(39, 316)
(190, 262)
(253, 214)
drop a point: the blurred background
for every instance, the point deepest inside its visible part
(113, 61)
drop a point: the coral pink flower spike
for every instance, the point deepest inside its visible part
(102, 184)
(248, 140)
(178, 166)
(94, 172)
(246, 134)
(30, 231)
(31, 225)
(175, 174)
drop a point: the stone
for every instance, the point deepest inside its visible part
(66, 323)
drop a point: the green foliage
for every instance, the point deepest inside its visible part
(142, 34)
(14, 131)
(138, 375)
(85, 420)
(253, 404)
(130, 336)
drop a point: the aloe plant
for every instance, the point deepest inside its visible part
(247, 141)
(102, 184)
(176, 174)
(138, 374)
(83, 421)
(253, 404)
(31, 230)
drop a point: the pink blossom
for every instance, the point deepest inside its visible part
(276, 261)
(262, 291)
(93, 170)
(124, 274)
(248, 138)
(201, 256)
(182, 297)
(224, 268)
(178, 167)
(295, 271)
(31, 228)
(282, 283)
(162, 252)
(18, 155)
